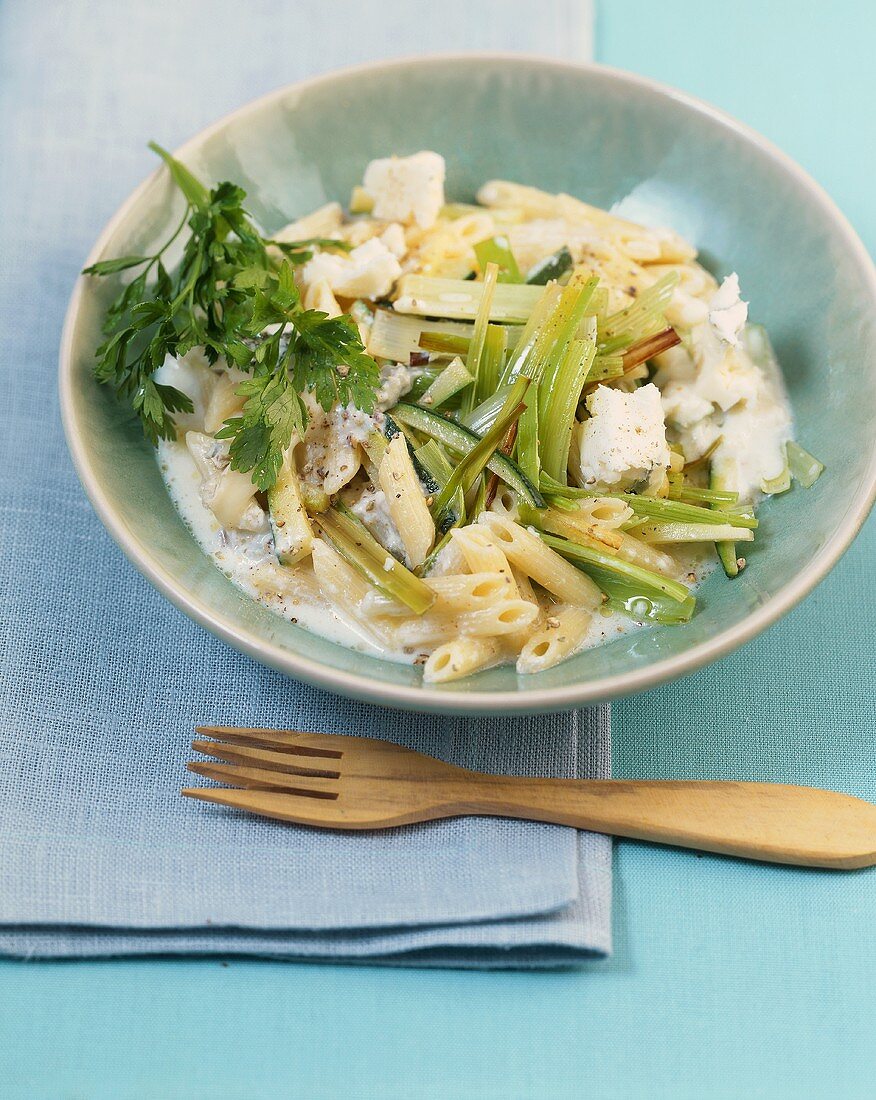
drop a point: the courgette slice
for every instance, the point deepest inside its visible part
(551, 267)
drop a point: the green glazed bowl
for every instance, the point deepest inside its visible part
(611, 139)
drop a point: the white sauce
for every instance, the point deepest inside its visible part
(247, 559)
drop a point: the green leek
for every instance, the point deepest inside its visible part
(660, 508)
(646, 582)
(450, 381)
(479, 335)
(358, 547)
(472, 465)
(558, 403)
(693, 532)
(804, 467)
(460, 299)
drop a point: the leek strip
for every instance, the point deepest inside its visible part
(540, 359)
(565, 324)
(693, 532)
(473, 464)
(483, 415)
(586, 558)
(358, 547)
(476, 501)
(450, 381)
(460, 299)
(804, 467)
(676, 511)
(690, 495)
(527, 439)
(479, 336)
(781, 483)
(424, 378)
(396, 337)
(627, 600)
(606, 367)
(557, 403)
(722, 478)
(439, 468)
(492, 362)
(444, 343)
(642, 318)
(518, 363)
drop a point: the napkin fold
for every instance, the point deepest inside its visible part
(102, 681)
(99, 854)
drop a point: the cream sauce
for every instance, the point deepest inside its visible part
(247, 559)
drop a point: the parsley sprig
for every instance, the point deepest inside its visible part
(231, 285)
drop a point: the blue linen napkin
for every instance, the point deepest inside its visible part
(103, 681)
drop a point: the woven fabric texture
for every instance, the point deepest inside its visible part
(103, 681)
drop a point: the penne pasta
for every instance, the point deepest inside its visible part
(447, 561)
(293, 535)
(502, 618)
(456, 593)
(561, 635)
(576, 527)
(505, 503)
(405, 500)
(344, 589)
(543, 565)
(469, 591)
(604, 511)
(481, 553)
(295, 582)
(460, 657)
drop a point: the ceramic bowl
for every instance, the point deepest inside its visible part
(612, 139)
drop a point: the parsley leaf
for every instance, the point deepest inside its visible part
(234, 294)
(330, 360)
(273, 413)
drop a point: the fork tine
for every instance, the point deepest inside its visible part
(259, 779)
(320, 812)
(290, 741)
(262, 758)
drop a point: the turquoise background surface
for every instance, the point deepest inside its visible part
(728, 979)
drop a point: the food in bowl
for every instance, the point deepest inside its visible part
(451, 434)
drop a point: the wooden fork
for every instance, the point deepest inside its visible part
(336, 782)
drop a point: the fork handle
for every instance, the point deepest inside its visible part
(767, 821)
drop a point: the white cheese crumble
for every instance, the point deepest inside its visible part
(726, 387)
(407, 189)
(624, 440)
(395, 381)
(368, 271)
(727, 312)
(394, 239)
(371, 507)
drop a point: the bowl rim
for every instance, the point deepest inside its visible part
(422, 697)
